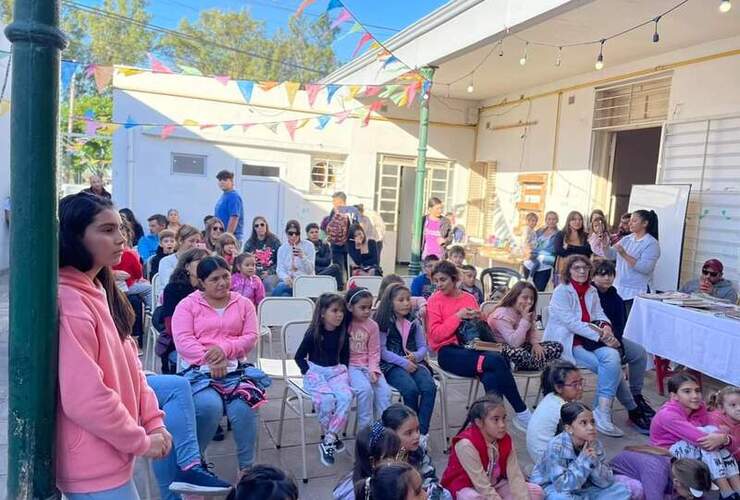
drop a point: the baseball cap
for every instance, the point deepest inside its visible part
(714, 265)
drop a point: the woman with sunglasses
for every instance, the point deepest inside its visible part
(264, 246)
(711, 282)
(295, 257)
(579, 323)
(214, 230)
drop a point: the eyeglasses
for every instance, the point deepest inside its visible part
(259, 224)
(707, 272)
(217, 229)
(580, 269)
(293, 233)
(578, 384)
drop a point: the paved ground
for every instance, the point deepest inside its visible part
(322, 479)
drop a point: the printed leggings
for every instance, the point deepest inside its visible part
(524, 360)
(331, 394)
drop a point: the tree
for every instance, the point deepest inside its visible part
(6, 11)
(304, 43)
(84, 155)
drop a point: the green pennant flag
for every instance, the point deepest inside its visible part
(190, 70)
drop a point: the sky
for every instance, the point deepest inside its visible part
(388, 15)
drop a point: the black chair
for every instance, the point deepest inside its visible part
(494, 278)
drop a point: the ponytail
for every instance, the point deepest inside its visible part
(652, 221)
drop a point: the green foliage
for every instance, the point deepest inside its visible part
(6, 11)
(87, 155)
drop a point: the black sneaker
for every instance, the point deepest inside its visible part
(640, 421)
(339, 446)
(643, 406)
(326, 453)
(199, 480)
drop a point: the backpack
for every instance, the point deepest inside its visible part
(471, 330)
(337, 229)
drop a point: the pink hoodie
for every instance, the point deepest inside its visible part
(106, 409)
(196, 326)
(364, 345)
(510, 328)
(674, 423)
(727, 424)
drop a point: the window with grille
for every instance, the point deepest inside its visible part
(481, 199)
(260, 170)
(325, 174)
(188, 164)
(634, 103)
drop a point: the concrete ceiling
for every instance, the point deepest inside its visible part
(695, 22)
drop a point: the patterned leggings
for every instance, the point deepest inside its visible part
(331, 394)
(523, 359)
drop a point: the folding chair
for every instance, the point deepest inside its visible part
(155, 291)
(150, 346)
(294, 396)
(313, 286)
(444, 379)
(543, 306)
(497, 277)
(276, 311)
(372, 283)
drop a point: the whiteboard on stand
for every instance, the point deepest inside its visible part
(670, 202)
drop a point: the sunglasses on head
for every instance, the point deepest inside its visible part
(293, 233)
(259, 224)
(707, 272)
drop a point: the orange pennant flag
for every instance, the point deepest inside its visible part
(291, 88)
(268, 85)
(103, 76)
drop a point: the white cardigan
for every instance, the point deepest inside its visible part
(565, 317)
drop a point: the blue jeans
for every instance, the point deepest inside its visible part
(418, 391)
(176, 400)
(605, 362)
(369, 395)
(209, 408)
(616, 491)
(282, 290)
(123, 492)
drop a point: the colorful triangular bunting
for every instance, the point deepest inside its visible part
(166, 131)
(302, 7)
(190, 123)
(157, 65)
(322, 120)
(130, 123)
(341, 116)
(268, 85)
(222, 79)
(246, 87)
(331, 89)
(103, 76)
(291, 126)
(291, 88)
(312, 90)
(190, 70)
(334, 4)
(365, 38)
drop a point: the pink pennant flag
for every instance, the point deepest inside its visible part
(207, 125)
(373, 90)
(373, 107)
(312, 90)
(91, 127)
(166, 131)
(245, 126)
(302, 7)
(342, 18)
(157, 65)
(411, 91)
(341, 116)
(365, 38)
(103, 76)
(90, 70)
(223, 79)
(291, 127)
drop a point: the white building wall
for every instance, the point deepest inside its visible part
(4, 158)
(700, 89)
(142, 179)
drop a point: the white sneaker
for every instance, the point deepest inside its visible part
(521, 421)
(605, 425)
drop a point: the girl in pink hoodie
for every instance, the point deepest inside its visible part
(214, 329)
(725, 414)
(107, 413)
(513, 324)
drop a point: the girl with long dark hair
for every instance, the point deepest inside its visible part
(107, 414)
(264, 245)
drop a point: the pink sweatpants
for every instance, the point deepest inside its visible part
(502, 488)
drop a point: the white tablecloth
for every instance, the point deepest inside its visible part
(699, 340)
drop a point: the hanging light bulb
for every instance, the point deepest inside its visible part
(725, 6)
(501, 48)
(523, 59)
(656, 36)
(600, 60)
(471, 88)
(559, 59)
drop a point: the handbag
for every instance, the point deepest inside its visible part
(472, 330)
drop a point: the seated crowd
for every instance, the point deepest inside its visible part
(360, 348)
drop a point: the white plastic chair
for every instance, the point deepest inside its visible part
(294, 396)
(313, 286)
(276, 311)
(150, 357)
(155, 291)
(372, 283)
(407, 280)
(543, 306)
(445, 378)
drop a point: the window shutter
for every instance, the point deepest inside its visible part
(481, 198)
(642, 102)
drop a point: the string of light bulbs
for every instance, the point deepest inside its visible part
(724, 7)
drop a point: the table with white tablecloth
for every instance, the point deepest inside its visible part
(703, 341)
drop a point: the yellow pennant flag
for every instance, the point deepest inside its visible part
(190, 123)
(4, 107)
(352, 92)
(302, 123)
(128, 71)
(291, 88)
(109, 128)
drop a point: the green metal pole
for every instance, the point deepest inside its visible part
(421, 173)
(37, 42)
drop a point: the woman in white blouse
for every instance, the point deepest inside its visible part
(636, 256)
(295, 257)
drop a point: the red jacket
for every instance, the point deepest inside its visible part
(130, 263)
(455, 478)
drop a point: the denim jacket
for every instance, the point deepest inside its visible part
(567, 471)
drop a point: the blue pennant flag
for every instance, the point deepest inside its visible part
(130, 123)
(389, 61)
(89, 114)
(331, 89)
(246, 87)
(227, 126)
(334, 4)
(69, 68)
(323, 121)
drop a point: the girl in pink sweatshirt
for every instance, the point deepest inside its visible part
(107, 413)
(365, 377)
(725, 414)
(214, 329)
(683, 427)
(513, 324)
(244, 279)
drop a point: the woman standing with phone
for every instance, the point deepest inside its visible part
(295, 258)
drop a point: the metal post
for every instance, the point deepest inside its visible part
(421, 173)
(37, 42)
